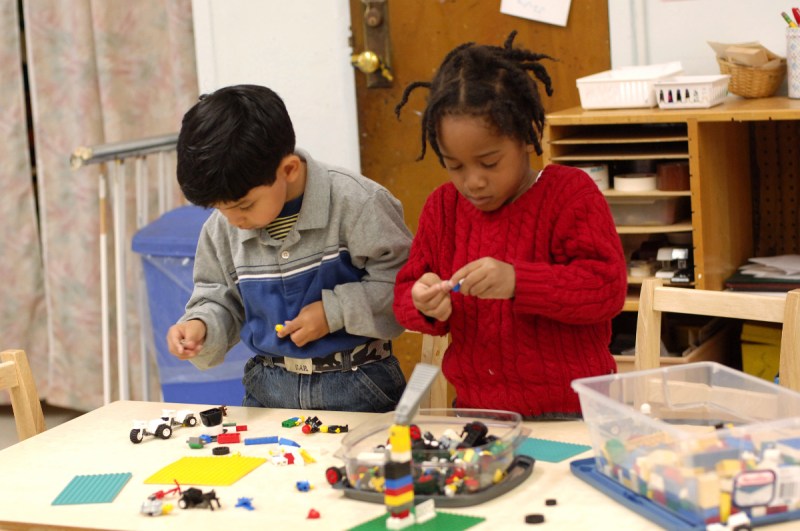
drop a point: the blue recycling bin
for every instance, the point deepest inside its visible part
(167, 247)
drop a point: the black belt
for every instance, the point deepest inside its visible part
(345, 360)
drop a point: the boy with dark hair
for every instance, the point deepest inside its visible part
(298, 261)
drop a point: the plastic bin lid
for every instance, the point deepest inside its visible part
(175, 233)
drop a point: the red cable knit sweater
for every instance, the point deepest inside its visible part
(521, 354)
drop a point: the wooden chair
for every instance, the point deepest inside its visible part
(16, 376)
(656, 299)
(433, 348)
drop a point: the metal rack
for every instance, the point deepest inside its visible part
(116, 159)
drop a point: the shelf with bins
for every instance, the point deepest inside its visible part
(721, 145)
(623, 148)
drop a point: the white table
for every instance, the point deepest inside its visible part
(35, 471)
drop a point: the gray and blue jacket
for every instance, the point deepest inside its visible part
(349, 241)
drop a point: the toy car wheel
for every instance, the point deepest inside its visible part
(136, 436)
(164, 431)
(190, 421)
(334, 475)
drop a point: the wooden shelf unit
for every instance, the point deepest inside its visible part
(717, 145)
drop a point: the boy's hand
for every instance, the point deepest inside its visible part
(185, 340)
(485, 278)
(309, 325)
(431, 298)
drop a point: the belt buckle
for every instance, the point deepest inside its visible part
(298, 365)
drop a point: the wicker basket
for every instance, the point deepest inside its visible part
(752, 82)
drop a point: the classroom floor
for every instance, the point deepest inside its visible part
(53, 416)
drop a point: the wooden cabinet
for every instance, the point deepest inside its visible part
(717, 145)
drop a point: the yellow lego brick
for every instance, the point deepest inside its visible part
(307, 457)
(391, 500)
(400, 438)
(728, 468)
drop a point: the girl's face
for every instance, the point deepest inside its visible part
(489, 169)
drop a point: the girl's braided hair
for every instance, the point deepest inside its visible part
(488, 81)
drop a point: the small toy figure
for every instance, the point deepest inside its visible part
(304, 486)
(197, 498)
(154, 504)
(155, 507)
(475, 435)
(312, 425)
(162, 427)
(246, 503)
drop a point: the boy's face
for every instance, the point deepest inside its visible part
(487, 168)
(262, 204)
(258, 208)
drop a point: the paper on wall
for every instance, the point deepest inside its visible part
(547, 11)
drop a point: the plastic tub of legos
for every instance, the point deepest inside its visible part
(701, 441)
(459, 457)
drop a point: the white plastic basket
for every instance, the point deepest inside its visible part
(623, 88)
(691, 92)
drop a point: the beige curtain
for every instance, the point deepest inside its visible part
(100, 71)
(22, 312)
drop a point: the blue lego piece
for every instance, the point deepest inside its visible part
(246, 503)
(262, 440)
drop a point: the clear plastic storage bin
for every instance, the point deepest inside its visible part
(642, 210)
(626, 87)
(471, 473)
(701, 440)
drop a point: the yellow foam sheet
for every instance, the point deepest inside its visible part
(215, 470)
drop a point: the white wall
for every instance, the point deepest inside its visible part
(659, 31)
(298, 48)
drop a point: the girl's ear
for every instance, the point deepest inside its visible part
(530, 148)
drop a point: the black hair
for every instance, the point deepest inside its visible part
(231, 141)
(488, 81)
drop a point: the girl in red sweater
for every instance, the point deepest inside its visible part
(524, 269)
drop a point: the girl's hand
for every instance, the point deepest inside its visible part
(431, 297)
(485, 278)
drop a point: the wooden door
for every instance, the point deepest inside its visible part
(421, 33)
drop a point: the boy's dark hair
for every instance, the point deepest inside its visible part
(489, 81)
(231, 141)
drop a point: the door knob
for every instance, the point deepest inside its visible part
(369, 63)
(376, 60)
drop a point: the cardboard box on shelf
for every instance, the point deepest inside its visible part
(750, 56)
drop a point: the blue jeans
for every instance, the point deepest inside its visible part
(373, 387)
